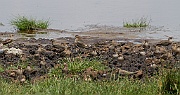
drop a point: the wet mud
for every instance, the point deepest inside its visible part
(31, 59)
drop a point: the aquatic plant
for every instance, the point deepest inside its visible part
(142, 22)
(1, 24)
(23, 23)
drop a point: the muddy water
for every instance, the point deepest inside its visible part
(76, 14)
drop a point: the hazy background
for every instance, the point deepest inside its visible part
(75, 14)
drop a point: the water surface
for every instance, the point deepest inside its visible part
(76, 14)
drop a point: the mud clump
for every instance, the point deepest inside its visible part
(122, 58)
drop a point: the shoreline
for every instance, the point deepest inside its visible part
(96, 33)
(116, 53)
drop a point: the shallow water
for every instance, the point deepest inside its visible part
(76, 14)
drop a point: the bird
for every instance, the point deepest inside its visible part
(39, 78)
(124, 72)
(115, 55)
(160, 49)
(7, 41)
(176, 48)
(113, 42)
(43, 62)
(67, 51)
(65, 69)
(40, 48)
(23, 57)
(88, 70)
(142, 53)
(65, 44)
(145, 44)
(1, 48)
(19, 71)
(120, 57)
(139, 74)
(57, 46)
(21, 78)
(79, 42)
(94, 53)
(87, 78)
(29, 72)
(15, 73)
(1, 45)
(28, 68)
(165, 42)
(88, 73)
(153, 65)
(55, 43)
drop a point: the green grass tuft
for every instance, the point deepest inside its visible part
(1, 69)
(142, 22)
(171, 82)
(77, 65)
(23, 23)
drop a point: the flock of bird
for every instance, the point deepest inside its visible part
(121, 58)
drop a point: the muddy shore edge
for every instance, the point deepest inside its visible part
(120, 52)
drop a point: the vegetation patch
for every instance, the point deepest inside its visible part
(142, 22)
(1, 69)
(1, 24)
(25, 24)
(60, 85)
(170, 83)
(57, 84)
(78, 65)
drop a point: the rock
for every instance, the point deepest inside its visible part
(13, 51)
(1, 51)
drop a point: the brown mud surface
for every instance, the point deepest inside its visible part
(29, 58)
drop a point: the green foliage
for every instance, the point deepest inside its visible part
(42, 24)
(1, 69)
(142, 22)
(29, 24)
(15, 66)
(171, 82)
(57, 84)
(77, 65)
(1, 24)
(66, 86)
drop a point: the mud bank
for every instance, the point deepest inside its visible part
(34, 57)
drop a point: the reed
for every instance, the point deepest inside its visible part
(23, 23)
(142, 22)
